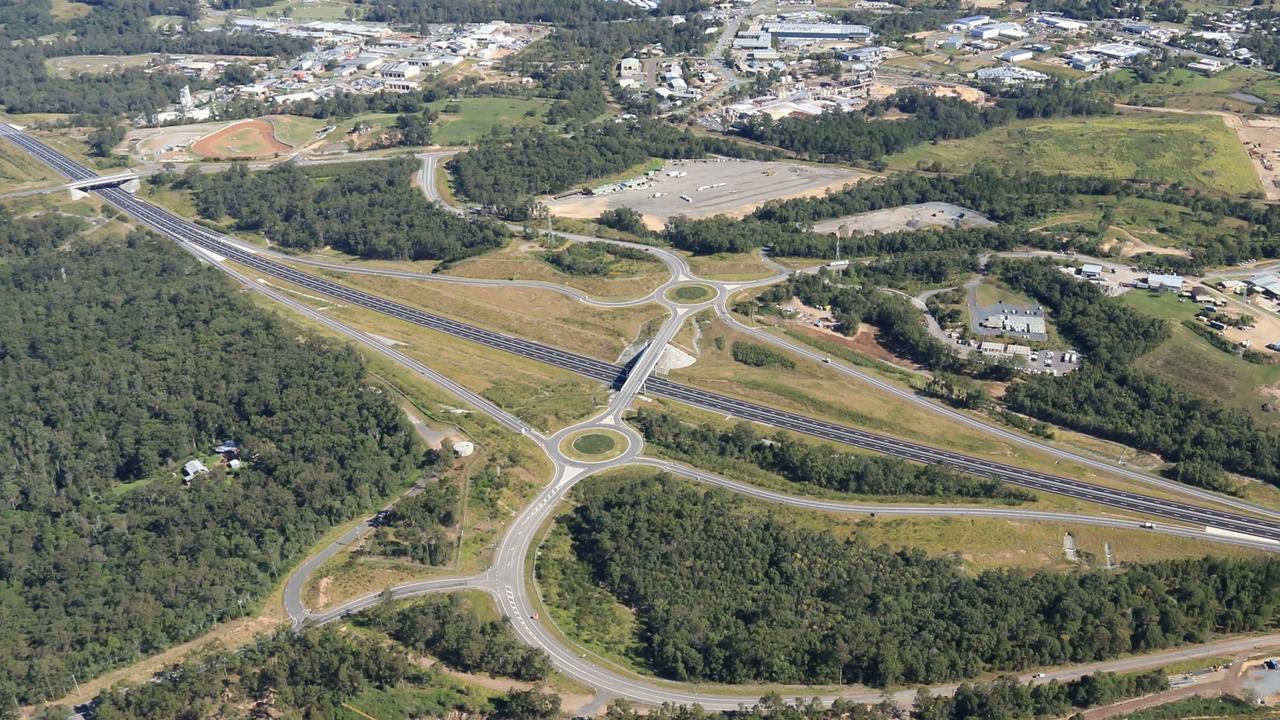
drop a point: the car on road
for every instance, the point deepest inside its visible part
(1038, 676)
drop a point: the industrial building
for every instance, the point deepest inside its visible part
(399, 71)
(1009, 75)
(1118, 52)
(819, 31)
(1061, 24)
(1015, 56)
(1085, 62)
(967, 23)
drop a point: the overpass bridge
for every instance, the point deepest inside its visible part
(103, 181)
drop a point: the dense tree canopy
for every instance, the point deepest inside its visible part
(114, 27)
(366, 209)
(763, 599)
(445, 627)
(707, 446)
(866, 135)
(310, 675)
(118, 361)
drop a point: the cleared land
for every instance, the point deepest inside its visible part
(476, 117)
(1189, 360)
(746, 186)
(20, 171)
(546, 397)
(1139, 225)
(245, 139)
(1190, 149)
(730, 266)
(72, 65)
(906, 217)
(536, 314)
(68, 9)
(518, 261)
(1189, 90)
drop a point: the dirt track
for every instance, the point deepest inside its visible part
(261, 141)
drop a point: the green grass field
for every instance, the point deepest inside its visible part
(1188, 90)
(691, 294)
(1190, 361)
(1152, 222)
(1188, 149)
(594, 444)
(477, 116)
(294, 130)
(20, 171)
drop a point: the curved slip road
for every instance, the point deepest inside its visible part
(184, 231)
(505, 580)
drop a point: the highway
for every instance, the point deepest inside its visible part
(614, 375)
(505, 580)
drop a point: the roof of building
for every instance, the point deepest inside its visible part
(1164, 280)
(791, 28)
(1091, 268)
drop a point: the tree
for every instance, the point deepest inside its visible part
(104, 139)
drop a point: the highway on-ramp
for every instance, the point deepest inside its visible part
(222, 247)
(506, 581)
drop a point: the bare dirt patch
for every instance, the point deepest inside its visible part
(906, 217)
(245, 139)
(1261, 139)
(1130, 245)
(172, 143)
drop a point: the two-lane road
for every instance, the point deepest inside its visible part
(220, 246)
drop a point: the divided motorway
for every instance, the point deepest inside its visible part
(218, 245)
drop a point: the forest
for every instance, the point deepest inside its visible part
(120, 360)
(311, 675)
(1013, 197)
(561, 13)
(1111, 398)
(505, 170)
(758, 355)
(597, 259)
(370, 210)
(117, 27)
(418, 526)
(766, 599)
(444, 627)
(869, 135)
(709, 447)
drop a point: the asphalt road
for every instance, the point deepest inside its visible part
(216, 244)
(505, 579)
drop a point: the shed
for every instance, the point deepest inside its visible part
(192, 468)
(464, 449)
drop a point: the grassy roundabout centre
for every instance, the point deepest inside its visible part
(691, 294)
(595, 445)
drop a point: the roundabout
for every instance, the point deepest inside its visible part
(691, 294)
(594, 445)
